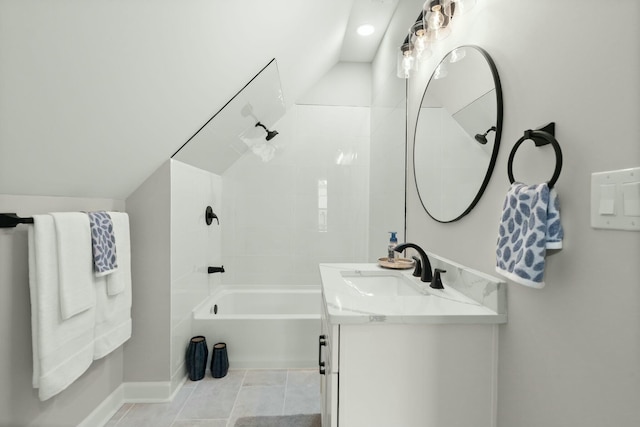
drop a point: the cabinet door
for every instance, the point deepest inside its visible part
(327, 355)
(329, 399)
(417, 375)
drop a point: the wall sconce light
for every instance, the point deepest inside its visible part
(433, 17)
(457, 7)
(420, 38)
(406, 59)
(431, 26)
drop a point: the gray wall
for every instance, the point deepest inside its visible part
(147, 355)
(570, 353)
(19, 403)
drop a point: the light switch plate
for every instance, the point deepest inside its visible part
(615, 199)
(631, 199)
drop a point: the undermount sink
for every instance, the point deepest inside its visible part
(380, 284)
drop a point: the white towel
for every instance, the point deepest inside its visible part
(118, 281)
(75, 263)
(62, 349)
(530, 224)
(113, 302)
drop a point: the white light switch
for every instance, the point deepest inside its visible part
(607, 199)
(631, 198)
(615, 199)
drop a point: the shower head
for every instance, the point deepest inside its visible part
(482, 137)
(270, 133)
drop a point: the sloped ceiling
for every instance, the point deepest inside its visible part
(95, 95)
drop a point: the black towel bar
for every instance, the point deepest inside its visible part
(542, 136)
(8, 220)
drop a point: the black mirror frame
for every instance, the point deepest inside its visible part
(497, 138)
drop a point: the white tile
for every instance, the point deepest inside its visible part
(302, 400)
(261, 377)
(213, 398)
(154, 414)
(220, 402)
(272, 210)
(273, 207)
(200, 423)
(259, 400)
(265, 240)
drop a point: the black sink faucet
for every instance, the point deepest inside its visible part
(426, 274)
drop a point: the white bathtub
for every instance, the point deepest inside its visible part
(263, 326)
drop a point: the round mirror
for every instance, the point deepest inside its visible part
(457, 133)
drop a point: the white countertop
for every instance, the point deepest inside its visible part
(348, 306)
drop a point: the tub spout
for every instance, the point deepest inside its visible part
(215, 270)
(426, 275)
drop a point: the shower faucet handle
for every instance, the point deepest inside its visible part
(209, 216)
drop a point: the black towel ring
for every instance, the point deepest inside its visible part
(540, 137)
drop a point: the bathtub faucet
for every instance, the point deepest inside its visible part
(215, 270)
(426, 275)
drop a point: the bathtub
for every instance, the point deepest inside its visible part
(264, 327)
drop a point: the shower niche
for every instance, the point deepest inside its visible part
(245, 123)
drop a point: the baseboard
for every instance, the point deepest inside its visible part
(148, 392)
(135, 392)
(276, 364)
(107, 409)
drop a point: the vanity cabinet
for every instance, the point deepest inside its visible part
(389, 357)
(381, 375)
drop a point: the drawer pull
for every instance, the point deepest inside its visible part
(322, 341)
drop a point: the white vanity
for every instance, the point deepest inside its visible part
(394, 352)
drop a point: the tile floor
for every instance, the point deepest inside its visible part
(220, 402)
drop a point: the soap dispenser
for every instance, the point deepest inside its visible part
(393, 242)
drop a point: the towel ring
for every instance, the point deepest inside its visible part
(540, 137)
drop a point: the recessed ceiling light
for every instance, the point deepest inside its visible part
(365, 30)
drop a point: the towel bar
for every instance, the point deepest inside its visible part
(9, 220)
(541, 137)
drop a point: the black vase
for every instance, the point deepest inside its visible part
(196, 359)
(219, 360)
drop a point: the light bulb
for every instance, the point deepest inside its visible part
(420, 38)
(406, 60)
(407, 63)
(420, 42)
(435, 18)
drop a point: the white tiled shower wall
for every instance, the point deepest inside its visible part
(276, 225)
(387, 166)
(278, 219)
(194, 247)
